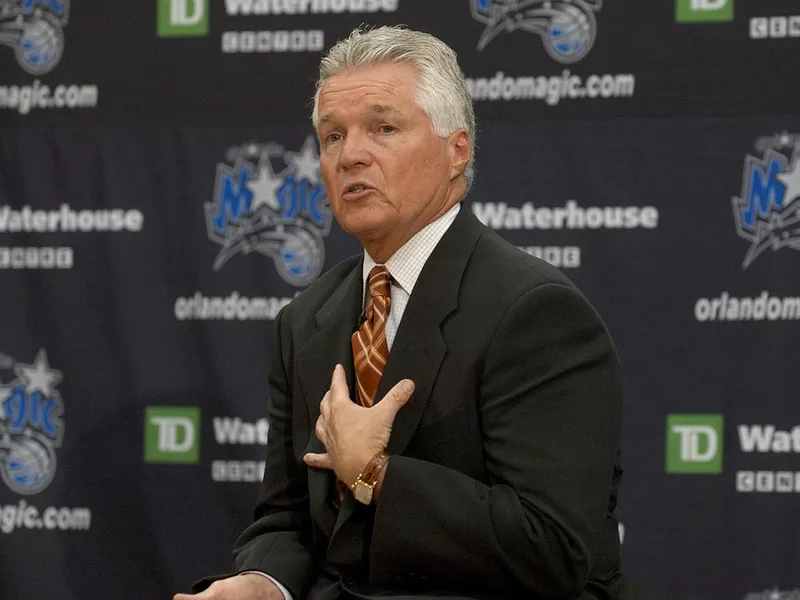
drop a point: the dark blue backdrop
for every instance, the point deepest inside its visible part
(159, 202)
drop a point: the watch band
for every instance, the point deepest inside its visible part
(369, 475)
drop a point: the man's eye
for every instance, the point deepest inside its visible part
(333, 137)
(387, 129)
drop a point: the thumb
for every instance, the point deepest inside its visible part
(339, 383)
(396, 398)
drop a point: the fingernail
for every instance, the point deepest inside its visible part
(408, 386)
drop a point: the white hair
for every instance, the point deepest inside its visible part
(442, 91)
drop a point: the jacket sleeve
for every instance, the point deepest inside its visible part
(549, 406)
(279, 540)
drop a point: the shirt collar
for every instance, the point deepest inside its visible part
(406, 264)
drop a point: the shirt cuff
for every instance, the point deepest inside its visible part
(283, 590)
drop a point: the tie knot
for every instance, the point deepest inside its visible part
(380, 282)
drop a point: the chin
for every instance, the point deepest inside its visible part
(364, 229)
(364, 221)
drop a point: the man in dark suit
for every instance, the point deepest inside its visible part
(445, 409)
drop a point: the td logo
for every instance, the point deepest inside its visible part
(172, 434)
(182, 18)
(694, 444)
(704, 11)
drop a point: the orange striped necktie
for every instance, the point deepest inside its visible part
(370, 348)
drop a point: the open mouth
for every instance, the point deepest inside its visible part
(356, 191)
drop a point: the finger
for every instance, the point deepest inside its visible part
(396, 398)
(321, 431)
(207, 594)
(339, 387)
(318, 461)
(325, 405)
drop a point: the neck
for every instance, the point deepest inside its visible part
(382, 248)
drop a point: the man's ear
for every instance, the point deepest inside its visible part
(460, 152)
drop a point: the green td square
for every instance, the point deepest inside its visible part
(704, 11)
(182, 18)
(172, 434)
(694, 444)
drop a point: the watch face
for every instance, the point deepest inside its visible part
(363, 492)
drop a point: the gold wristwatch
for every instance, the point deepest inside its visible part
(365, 482)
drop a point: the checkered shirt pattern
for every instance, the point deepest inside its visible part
(405, 265)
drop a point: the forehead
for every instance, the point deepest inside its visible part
(385, 87)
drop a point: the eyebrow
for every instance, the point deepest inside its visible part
(376, 108)
(383, 108)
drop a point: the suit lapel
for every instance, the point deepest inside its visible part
(419, 348)
(336, 320)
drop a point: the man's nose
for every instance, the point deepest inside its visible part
(355, 151)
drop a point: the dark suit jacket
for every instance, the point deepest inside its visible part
(504, 474)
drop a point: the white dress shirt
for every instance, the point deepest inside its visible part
(405, 265)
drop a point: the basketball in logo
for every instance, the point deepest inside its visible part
(570, 33)
(29, 466)
(301, 257)
(40, 47)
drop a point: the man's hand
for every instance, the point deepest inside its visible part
(239, 587)
(352, 434)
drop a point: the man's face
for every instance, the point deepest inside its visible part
(386, 173)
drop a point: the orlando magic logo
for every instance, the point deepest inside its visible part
(35, 30)
(568, 28)
(31, 426)
(271, 200)
(768, 212)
